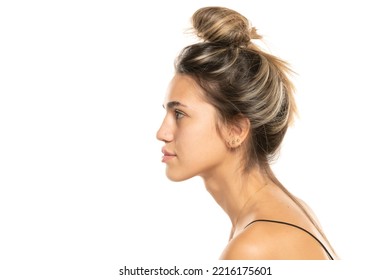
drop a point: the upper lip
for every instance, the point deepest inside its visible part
(167, 153)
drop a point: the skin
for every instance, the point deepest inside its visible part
(197, 144)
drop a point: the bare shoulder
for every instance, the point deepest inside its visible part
(273, 241)
(308, 210)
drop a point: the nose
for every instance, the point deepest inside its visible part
(165, 132)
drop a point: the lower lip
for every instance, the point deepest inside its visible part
(167, 158)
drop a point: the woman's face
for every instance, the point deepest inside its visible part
(193, 145)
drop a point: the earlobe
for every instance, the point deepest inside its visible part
(234, 143)
(237, 132)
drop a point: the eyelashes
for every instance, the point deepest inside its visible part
(179, 114)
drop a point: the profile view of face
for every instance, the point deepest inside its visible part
(193, 145)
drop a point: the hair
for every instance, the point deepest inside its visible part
(241, 80)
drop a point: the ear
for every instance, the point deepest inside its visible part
(237, 132)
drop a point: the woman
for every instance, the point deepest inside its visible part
(228, 107)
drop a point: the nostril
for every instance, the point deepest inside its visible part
(163, 135)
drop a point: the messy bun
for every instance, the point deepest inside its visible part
(223, 26)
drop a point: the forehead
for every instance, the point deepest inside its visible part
(185, 90)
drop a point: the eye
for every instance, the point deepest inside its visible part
(178, 114)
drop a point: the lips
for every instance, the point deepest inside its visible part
(167, 155)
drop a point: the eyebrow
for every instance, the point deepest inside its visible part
(173, 104)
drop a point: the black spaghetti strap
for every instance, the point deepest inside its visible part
(285, 223)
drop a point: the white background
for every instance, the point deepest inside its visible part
(82, 188)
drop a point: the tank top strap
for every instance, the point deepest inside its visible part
(298, 227)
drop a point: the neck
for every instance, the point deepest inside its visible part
(235, 191)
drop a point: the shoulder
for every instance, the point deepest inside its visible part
(272, 241)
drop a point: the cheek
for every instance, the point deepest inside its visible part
(201, 145)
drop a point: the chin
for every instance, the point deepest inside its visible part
(177, 176)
